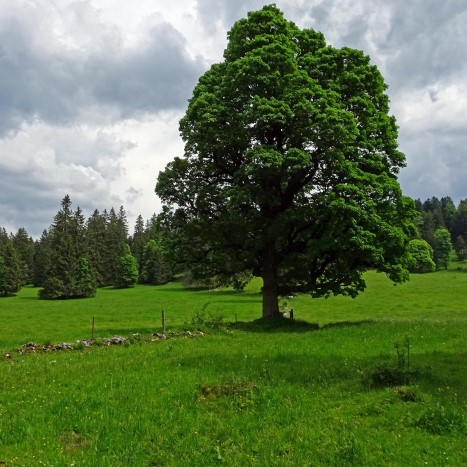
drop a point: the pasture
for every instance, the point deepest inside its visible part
(246, 393)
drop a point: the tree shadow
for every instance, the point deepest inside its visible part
(283, 324)
(346, 324)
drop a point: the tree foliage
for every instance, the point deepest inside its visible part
(290, 166)
(442, 248)
(67, 274)
(460, 246)
(420, 257)
(10, 270)
(127, 270)
(155, 269)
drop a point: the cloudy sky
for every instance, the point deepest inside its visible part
(91, 92)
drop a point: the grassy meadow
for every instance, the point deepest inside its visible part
(246, 393)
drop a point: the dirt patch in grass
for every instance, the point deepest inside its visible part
(73, 441)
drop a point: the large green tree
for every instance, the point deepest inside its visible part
(290, 166)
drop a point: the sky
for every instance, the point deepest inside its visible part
(91, 92)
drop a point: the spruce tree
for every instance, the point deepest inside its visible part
(115, 245)
(24, 246)
(138, 241)
(10, 270)
(63, 277)
(41, 259)
(95, 246)
(155, 269)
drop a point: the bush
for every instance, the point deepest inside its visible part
(390, 374)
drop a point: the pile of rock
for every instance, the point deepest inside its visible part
(32, 347)
(173, 335)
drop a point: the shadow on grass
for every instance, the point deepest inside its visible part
(275, 325)
(289, 325)
(347, 324)
(210, 292)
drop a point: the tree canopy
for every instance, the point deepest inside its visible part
(290, 166)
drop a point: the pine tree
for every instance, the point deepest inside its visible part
(95, 245)
(85, 281)
(449, 212)
(460, 246)
(115, 245)
(155, 269)
(41, 259)
(10, 270)
(24, 246)
(138, 241)
(63, 277)
(460, 221)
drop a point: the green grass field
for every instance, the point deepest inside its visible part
(244, 394)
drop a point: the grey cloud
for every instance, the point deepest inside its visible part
(39, 166)
(26, 201)
(427, 42)
(437, 164)
(158, 77)
(109, 81)
(224, 13)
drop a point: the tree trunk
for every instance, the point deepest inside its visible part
(270, 284)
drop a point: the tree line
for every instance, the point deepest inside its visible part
(441, 228)
(75, 256)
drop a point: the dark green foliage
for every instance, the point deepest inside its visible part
(96, 245)
(115, 245)
(41, 259)
(435, 214)
(3, 281)
(155, 269)
(449, 212)
(420, 257)
(290, 167)
(442, 248)
(389, 374)
(138, 242)
(24, 246)
(3, 238)
(11, 273)
(461, 248)
(67, 274)
(85, 281)
(127, 271)
(460, 221)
